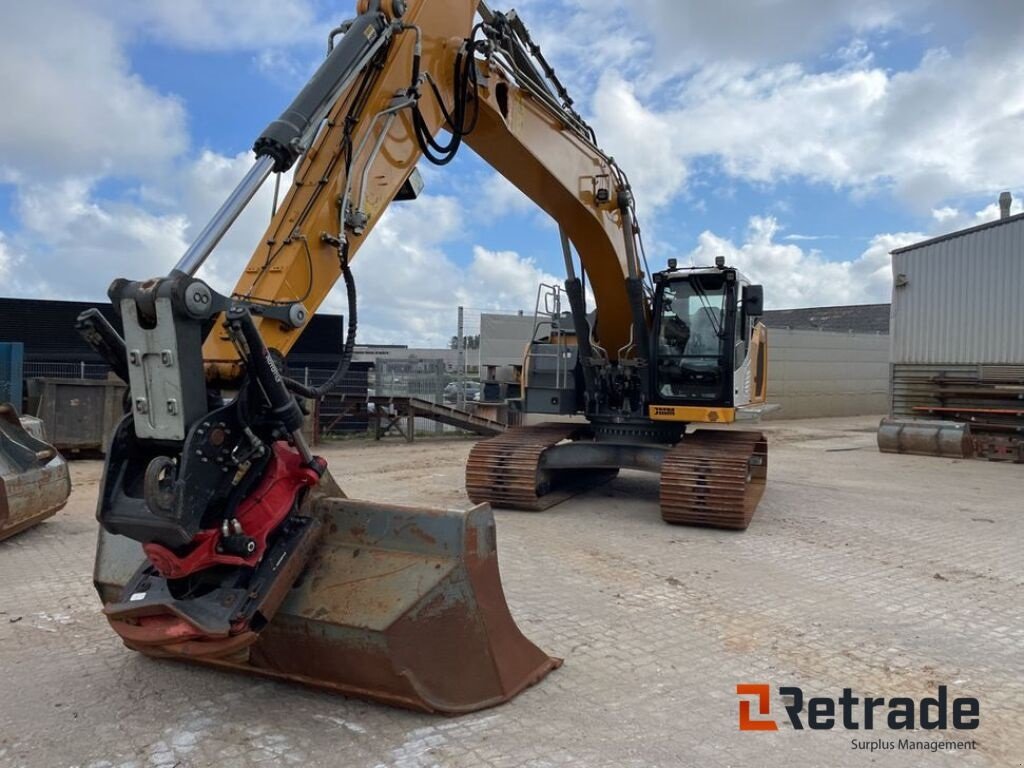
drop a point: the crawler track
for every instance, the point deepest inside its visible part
(504, 470)
(710, 478)
(714, 478)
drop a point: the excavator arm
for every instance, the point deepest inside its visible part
(436, 68)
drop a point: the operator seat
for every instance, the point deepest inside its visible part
(704, 336)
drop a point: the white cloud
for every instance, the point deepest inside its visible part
(410, 287)
(221, 25)
(722, 95)
(500, 196)
(864, 129)
(792, 90)
(200, 189)
(944, 214)
(950, 219)
(80, 242)
(77, 252)
(7, 258)
(809, 238)
(739, 30)
(991, 212)
(72, 106)
(502, 280)
(645, 144)
(287, 70)
(794, 277)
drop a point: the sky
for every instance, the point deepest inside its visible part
(801, 139)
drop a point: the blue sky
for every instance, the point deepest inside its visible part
(802, 140)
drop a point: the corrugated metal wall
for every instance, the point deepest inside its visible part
(962, 301)
(812, 374)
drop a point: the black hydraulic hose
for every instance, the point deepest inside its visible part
(318, 393)
(459, 121)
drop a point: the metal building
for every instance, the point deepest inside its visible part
(957, 329)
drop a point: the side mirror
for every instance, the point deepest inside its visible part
(753, 300)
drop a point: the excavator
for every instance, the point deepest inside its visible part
(224, 540)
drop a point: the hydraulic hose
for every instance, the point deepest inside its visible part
(318, 393)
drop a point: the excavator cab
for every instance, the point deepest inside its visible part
(709, 346)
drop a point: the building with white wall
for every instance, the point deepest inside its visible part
(958, 326)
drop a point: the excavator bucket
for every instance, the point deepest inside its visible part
(396, 604)
(34, 478)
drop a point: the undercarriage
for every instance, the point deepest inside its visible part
(708, 477)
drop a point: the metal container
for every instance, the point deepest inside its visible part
(80, 414)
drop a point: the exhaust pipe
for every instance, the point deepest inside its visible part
(1005, 201)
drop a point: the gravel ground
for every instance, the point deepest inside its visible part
(889, 575)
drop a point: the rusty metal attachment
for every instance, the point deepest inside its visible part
(34, 478)
(714, 478)
(400, 605)
(948, 439)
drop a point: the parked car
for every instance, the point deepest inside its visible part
(470, 391)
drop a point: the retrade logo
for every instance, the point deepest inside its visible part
(852, 713)
(762, 693)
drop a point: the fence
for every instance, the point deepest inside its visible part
(337, 414)
(346, 410)
(66, 370)
(413, 377)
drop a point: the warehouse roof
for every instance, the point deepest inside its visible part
(962, 233)
(857, 318)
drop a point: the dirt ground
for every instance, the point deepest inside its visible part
(890, 575)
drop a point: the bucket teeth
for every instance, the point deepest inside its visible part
(505, 470)
(714, 478)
